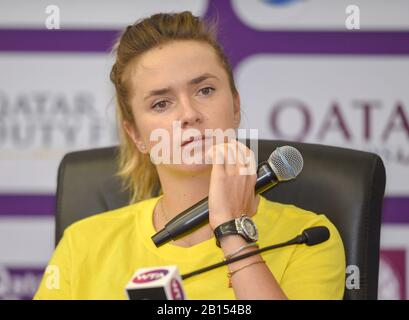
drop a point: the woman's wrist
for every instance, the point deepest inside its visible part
(221, 220)
(231, 243)
(240, 250)
(243, 226)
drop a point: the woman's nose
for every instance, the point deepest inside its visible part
(190, 115)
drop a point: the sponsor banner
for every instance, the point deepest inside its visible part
(241, 41)
(395, 209)
(89, 14)
(21, 268)
(19, 283)
(27, 205)
(26, 241)
(334, 86)
(394, 263)
(266, 15)
(50, 105)
(277, 42)
(392, 275)
(71, 108)
(261, 15)
(354, 102)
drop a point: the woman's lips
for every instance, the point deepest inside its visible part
(199, 138)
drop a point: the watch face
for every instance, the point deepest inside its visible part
(250, 228)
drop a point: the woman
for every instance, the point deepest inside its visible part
(170, 70)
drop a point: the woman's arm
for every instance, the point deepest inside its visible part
(231, 194)
(254, 281)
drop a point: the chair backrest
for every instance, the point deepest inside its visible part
(346, 185)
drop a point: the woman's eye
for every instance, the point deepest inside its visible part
(160, 105)
(206, 91)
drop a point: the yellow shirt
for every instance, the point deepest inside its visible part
(97, 256)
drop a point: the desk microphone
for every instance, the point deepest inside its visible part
(165, 283)
(311, 237)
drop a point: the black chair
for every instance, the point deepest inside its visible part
(346, 185)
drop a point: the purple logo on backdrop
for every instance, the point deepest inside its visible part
(307, 125)
(150, 276)
(18, 283)
(335, 119)
(176, 290)
(392, 275)
(280, 2)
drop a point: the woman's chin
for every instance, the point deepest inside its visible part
(192, 168)
(195, 166)
(193, 162)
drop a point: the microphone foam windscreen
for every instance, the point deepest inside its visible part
(316, 235)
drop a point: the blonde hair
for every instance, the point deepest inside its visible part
(139, 175)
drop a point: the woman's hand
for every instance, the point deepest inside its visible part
(232, 182)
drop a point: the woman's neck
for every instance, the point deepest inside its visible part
(179, 193)
(182, 191)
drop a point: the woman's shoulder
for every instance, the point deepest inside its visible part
(291, 217)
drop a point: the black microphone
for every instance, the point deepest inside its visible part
(284, 163)
(314, 235)
(311, 237)
(165, 283)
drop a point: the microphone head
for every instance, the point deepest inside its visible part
(315, 235)
(286, 162)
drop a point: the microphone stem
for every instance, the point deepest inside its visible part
(296, 240)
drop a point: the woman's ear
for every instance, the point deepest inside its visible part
(135, 137)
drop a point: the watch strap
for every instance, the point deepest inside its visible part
(225, 229)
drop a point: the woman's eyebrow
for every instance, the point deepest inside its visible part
(194, 81)
(201, 78)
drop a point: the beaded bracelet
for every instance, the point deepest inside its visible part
(248, 245)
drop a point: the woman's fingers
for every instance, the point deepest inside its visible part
(247, 161)
(233, 155)
(232, 158)
(231, 191)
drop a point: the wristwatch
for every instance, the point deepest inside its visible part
(242, 226)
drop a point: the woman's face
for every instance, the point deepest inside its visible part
(180, 81)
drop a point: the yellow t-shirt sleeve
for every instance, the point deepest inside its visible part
(317, 272)
(56, 281)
